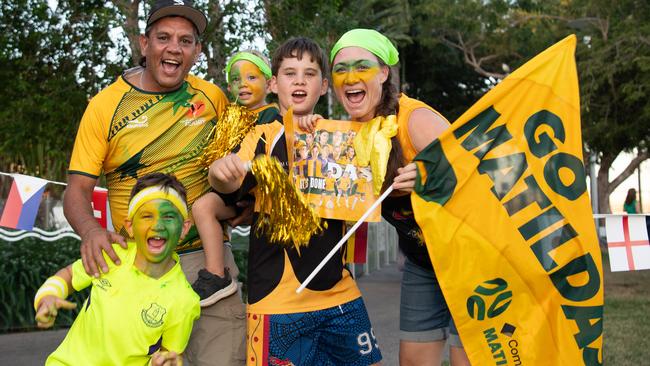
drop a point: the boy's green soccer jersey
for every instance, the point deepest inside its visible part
(128, 315)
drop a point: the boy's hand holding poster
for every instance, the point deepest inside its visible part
(325, 170)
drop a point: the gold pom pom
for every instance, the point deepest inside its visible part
(285, 215)
(234, 123)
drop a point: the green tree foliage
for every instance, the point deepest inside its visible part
(53, 60)
(323, 21)
(231, 24)
(495, 37)
(614, 63)
(326, 20)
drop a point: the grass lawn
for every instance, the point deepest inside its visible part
(627, 317)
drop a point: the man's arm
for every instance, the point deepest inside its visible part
(94, 238)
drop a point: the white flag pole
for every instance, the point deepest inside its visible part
(338, 246)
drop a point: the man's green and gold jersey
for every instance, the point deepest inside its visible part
(127, 133)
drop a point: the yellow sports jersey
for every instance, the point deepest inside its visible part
(127, 133)
(344, 183)
(346, 160)
(267, 113)
(406, 107)
(361, 185)
(397, 209)
(275, 270)
(128, 315)
(329, 184)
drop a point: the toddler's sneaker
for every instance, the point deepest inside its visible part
(212, 288)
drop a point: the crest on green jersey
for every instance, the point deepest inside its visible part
(153, 315)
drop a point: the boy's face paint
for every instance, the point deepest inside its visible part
(247, 84)
(157, 227)
(298, 84)
(358, 79)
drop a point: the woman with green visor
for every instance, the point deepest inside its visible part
(363, 82)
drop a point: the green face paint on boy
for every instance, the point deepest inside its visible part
(157, 228)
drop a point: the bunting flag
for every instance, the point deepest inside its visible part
(502, 202)
(627, 242)
(358, 245)
(22, 203)
(100, 205)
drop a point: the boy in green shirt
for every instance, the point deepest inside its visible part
(141, 311)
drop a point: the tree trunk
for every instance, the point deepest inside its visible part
(603, 183)
(213, 43)
(131, 28)
(605, 186)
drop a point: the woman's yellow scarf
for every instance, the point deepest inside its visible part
(372, 146)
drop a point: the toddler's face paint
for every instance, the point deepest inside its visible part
(247, 84)
(157, 227)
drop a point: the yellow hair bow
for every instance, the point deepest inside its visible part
(372, 145)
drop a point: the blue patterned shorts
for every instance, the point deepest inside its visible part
(341, 335)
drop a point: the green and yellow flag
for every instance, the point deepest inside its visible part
(502, 202)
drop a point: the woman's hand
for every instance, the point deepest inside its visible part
(308, 123)
(405, 179)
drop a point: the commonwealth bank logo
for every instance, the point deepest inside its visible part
(490, 299)
(153, 315)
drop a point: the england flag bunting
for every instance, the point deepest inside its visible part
(627, 241)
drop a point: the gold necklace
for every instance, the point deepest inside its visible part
(141, 81)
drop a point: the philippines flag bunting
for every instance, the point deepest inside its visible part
(22, 204)
(627, 242)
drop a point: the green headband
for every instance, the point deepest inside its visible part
(263, 66)
(370, 40)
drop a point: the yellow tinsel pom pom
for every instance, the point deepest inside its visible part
(234, 123)
(285, 215)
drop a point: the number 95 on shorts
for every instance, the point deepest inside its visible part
(341, 335)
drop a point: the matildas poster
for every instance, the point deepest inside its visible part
(325, 170)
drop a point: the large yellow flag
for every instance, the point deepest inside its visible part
(502, 202)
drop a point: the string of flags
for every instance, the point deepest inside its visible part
(22, 203)
(627, 235)
(25, 196)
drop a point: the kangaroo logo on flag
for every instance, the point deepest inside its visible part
(23, 201)
(627, 241)
(502, 196)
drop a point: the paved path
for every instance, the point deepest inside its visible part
(380, 291)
